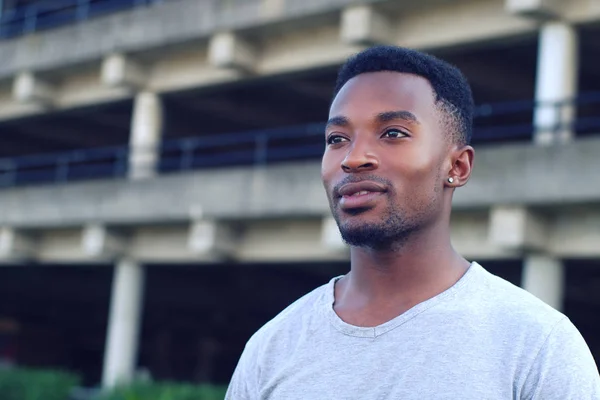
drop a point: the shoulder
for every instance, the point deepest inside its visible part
(292, 319)
(268, 345)
(553, 359)
(517, 309)
(563, 367)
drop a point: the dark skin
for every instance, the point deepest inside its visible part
(386, 132)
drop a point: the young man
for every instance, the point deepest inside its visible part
(412, 319)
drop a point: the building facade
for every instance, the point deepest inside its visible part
(161, 194)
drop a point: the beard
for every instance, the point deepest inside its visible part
(398, 223)
(392, 231)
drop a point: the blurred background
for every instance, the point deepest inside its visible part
(160, 196)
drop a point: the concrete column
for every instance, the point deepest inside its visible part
(330, 235)
(15, 245)
(543, 276)
(540, 10)
(30, 89)
(146, 134)
(556, 81)
(120, 355)
(518, 228)
(100, 243)
(363, 25)
(211, 239)
(229, 50)
(121, 71)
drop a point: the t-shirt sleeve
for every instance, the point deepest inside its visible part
(564, 368)
(244, 382)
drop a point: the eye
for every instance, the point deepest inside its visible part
(393, 133)
(335, 139)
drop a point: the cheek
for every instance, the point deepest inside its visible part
(329, 167)
(416, 166)
(418, 175)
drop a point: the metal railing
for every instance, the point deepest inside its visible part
(259, 147)
(47, 14)
(514, 120)
(63, 167)
(503, 122)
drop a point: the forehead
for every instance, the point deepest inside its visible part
(375, 92)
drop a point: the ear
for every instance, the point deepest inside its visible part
(461, 165)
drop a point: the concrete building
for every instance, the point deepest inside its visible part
(161, 196)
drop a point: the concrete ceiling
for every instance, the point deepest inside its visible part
(497, 72)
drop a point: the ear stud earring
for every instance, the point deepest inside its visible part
(451, 180)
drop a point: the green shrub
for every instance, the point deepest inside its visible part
(165, 391)
(35, 384)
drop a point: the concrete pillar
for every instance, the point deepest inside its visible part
(543, 276)
(556, 81)
(100, 243)
(146, 134)
(30, 89)
(229, 50)
(119, 70)
(120, 355)
(211, 239)
(363, 25)
(518, 228)
(330, 235)
(537, 9)
(15, 245)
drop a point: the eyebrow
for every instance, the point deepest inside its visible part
(338, 121)
(382, 117)
(392, 115)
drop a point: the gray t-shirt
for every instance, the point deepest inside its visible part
(482, 339)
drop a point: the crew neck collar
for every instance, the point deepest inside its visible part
(373, 332)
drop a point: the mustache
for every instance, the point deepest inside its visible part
(360, 178)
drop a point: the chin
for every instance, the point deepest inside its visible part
(362, 232)
(358, 220)
(373, 230)
(366, 237)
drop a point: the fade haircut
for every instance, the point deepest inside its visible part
(451, 90)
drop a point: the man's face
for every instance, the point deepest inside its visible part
(386, 158)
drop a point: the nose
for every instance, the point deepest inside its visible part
(359, 159)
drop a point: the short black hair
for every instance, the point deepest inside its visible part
(451, 89)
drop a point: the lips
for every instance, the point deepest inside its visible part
(360, 194)
(359, 189)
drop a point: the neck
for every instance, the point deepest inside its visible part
(423, 266)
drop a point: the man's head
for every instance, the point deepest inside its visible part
(399, 127)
